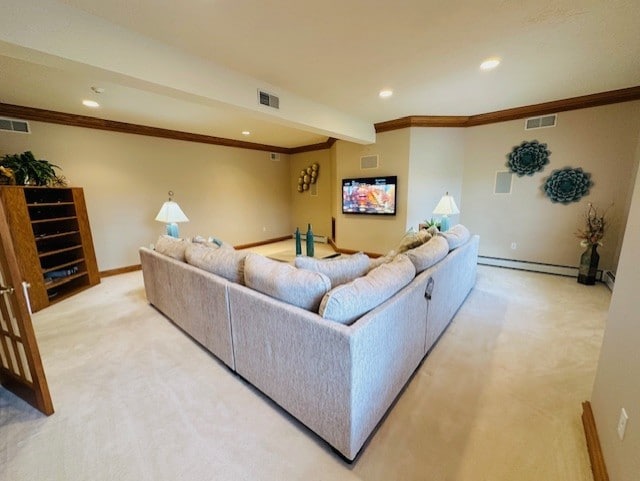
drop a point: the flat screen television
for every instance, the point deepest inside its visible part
(369, 195)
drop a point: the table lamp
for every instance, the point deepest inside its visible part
(446, 207)
(171, 213)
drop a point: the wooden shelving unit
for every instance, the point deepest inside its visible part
(52, 238)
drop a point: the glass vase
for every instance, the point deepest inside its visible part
(589, 265)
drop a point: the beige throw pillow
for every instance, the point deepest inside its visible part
(456, 236)
(346, 303)
(172, 247)
(339, 271)
(285, 282)
(227, 263)
(429, 253)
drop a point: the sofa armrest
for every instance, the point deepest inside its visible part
(195, 300)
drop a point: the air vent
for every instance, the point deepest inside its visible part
(14, 125)
(540, 122)
(274, 156)
(369, 162)
(269, 100)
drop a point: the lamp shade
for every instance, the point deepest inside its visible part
(171, 212)
(446, 206)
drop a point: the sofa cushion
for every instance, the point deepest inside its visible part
(282, 281)
(346, 303)
(429, 253)
(456, 236)
(172, 247)
(227, 263)
(339, 271)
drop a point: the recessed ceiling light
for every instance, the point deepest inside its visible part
(246, 132)
(386, 93)
(98, 90)
(90, 103)
(490, 64)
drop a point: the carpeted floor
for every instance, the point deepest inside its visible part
(497, 399)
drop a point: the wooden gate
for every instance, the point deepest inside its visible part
(21, 369)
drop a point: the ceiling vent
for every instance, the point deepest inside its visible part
(369, 162)
(540, 122)
(14, 125)
(267, 99)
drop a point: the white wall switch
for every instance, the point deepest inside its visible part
(622, 423)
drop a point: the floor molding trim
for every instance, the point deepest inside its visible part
(598, 466)
(567, 271)
(120, 270)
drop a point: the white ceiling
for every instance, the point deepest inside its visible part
(326, 60)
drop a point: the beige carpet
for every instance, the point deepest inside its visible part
(136, 399)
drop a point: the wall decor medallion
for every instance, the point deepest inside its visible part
(528, 158)
(567, 185)
(307, 177)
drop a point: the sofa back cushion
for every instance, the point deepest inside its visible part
(428, 253)
(456, 236)
(339, 271)
(227, 263)
(347, 302)
(285, 282)
(172, 247)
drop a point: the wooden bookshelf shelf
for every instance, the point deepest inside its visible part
(50, 232)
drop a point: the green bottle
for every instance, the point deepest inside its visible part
(298, 243)
(309, 241)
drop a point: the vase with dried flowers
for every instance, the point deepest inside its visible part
(591, 235)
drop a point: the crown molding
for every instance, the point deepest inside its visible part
(582, 102)
(51, 116)
(310, 148)
(574, 103)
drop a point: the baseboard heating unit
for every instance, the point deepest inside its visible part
(568, 271)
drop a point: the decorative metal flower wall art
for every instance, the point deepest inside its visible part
(528, 158)
(567, 185)
(307, 177)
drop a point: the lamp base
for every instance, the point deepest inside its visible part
(172, 230)
(444, 224)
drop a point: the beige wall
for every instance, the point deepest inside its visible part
(238, 195)
(307, 208)
(377, 234)
(601, 140)
(435, 167)
(617, 383)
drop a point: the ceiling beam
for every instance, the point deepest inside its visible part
(46, 28)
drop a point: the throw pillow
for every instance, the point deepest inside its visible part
(456, 236)
(339, 271)
(285, 282)
(227, 263)
(378, 261)
(346, 303)
(428, 254)
(172, 247)
(413, 239)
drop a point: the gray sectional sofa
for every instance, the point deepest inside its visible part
(338, 376)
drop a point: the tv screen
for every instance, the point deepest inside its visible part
(370, 195)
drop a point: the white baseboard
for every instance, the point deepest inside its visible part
(568, 271)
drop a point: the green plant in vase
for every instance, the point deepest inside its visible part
(27, 170)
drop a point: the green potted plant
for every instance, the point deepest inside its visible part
(27, 170)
